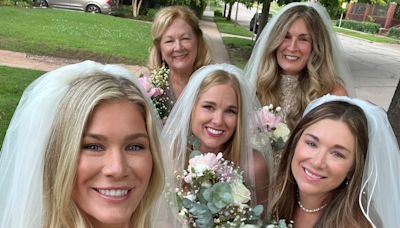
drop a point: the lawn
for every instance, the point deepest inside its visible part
(13, 83)
(231, 27)
(73, 34)
(239, 50)
(367, 36)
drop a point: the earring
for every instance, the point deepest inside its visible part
(347, 181)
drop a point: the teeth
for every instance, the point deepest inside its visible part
(113, 193)
(312, 175)
(213, 131)
(289, 57)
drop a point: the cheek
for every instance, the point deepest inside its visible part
(142, 166)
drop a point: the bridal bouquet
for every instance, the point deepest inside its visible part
(155, 84)
(272, 122)
(213, 194)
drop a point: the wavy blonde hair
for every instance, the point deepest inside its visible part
(63, 150)
(162, 20)
(319, 76)
(343, 209)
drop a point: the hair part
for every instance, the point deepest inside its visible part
(162, 20)
(343, 209)
(63, 149)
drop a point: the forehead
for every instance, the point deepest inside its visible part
(219, 91)
(177, 27)
(299, 26)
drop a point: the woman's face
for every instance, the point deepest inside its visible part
(115, 164)
(323, 158)
(295, 50)
(179, 46)
(214, 117)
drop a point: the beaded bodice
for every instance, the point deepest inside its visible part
(287, 97)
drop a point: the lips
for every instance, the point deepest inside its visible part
(291, 57)
(214, 132)
(311, 176)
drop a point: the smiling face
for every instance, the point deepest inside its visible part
(295, 50)
(323, 158)
(115, 164)
(179, 46)
(214, 117)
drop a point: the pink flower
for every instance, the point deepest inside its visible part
(268, 119)
(148, 86)
(202, 163)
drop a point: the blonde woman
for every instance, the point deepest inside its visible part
(179, 45)
(297, 59)
(82, 150)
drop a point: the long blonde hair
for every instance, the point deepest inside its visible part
(343, 209)
(163, 19)
(319, 76)
(62, 153)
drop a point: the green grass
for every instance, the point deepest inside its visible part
(367, 36)
(230, 27)
(13, 83)
(73, 34)
(239, 50)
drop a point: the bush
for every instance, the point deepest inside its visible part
(217, 13)
(394, 32)
(362, 26)
(151, 13)
(17, 3)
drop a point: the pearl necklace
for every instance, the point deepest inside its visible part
(310, 210)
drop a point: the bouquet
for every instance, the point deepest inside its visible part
(213, 194)
(272, 122)
(155, 84)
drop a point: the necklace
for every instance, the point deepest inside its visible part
(310, 210)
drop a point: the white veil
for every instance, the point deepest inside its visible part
(23, 150)
(380, 193)
(177, 129)
(253, 66)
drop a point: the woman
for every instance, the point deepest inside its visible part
(178, 44)
(82, 150)
(346, 176)
(218, 109)
(297, 59)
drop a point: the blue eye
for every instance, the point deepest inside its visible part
(93, 147)
(134, 147)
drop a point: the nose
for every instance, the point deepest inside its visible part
(218, 117)
(115, 165)
(293, 44)
(318, 160)
(178, 45)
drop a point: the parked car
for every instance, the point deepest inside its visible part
(256, 18)
(92, 6)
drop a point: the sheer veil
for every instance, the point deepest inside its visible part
(177, 129)
(254, 64)
(380, 193)
(22, 153)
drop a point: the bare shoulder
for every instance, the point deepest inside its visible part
(339, 90)
(260, 163)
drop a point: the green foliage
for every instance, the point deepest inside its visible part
(231, 27)
(13, 82)
(394, 32)
(151, 13)
(16, 3)
(75, 35)
(362, 26)
(217, 13)
(367, 36)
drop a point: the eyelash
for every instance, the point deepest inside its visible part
(93, 147)
(136, 147)
(311, 144)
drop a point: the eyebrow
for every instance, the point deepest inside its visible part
(104, 138)
(335, 146)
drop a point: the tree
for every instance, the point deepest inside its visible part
(394, 112)
(136, 7)
(264, 16)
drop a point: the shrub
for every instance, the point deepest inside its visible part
(362, 26)
(151, 13)
(217, 13)
(394, 32)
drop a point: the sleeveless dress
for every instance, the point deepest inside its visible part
(288, 87)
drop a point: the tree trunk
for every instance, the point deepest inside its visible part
(264, 16)
(394, 112)
(230, 11)
(225, 9)
(136, 7)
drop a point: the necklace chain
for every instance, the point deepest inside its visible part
(310, 210)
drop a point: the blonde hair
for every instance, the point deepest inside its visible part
(63, 149)
(319, 76)
(221, 77)
(162, 20)
(343, 209)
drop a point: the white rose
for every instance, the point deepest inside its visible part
(281, 131)
(249, 226)
(240, 193)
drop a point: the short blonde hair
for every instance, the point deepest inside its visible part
(163, 19)
(63, 149)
